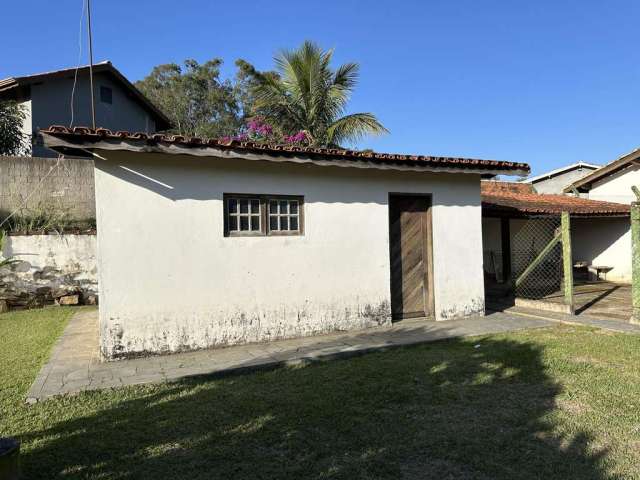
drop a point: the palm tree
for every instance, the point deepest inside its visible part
(307, 95)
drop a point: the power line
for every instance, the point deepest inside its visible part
(93, 103)
(75, 75)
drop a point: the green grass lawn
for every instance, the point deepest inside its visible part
(557, 403)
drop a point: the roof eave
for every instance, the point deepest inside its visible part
(560, 171)
(493, 206)
(71, 144)
(585, 183)
(8, 84)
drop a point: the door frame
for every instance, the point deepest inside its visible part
(428, 245)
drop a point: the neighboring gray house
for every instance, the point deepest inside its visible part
(555, 181)
(47, 98)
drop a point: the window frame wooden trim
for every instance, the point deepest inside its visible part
(264, 231)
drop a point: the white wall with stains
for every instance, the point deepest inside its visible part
(616, 187)
(171, 281)
(604, 242)
(607, 241)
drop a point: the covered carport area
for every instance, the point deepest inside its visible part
(547, 251)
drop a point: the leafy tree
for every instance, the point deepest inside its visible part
(194, 97)
(246, 81)
(307, 95)
(12, 140)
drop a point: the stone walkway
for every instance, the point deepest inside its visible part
(75, 364)
(582, 319)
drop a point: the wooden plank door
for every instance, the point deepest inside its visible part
(410, 248)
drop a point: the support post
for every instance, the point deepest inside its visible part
(567, 260)
(635, 261)
(506, 249)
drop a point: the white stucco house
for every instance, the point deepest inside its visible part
(611, 183)
(203, 243)
(46, 99)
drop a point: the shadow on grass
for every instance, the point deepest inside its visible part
(445, 410)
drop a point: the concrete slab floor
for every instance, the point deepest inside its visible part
(75, 365)
(599, 299)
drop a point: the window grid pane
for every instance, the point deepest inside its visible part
(243, 215)
(284, 216)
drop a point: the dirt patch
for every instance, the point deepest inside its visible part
(589, 359)
(573, 407)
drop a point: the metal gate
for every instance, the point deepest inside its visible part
(536, 256)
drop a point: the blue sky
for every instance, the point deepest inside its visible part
(546, 82)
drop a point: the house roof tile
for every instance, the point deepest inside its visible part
(507, 198)
(88, 138)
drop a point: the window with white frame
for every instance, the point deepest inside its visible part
(262, 215)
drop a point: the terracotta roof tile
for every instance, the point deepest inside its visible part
(517, 198)
(498, 188)
(84, 134)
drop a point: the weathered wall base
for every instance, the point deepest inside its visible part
(49, 267)
(475, 306)
(162, 333)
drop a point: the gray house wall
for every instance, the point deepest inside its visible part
(68, 189)
(557, 183)
(50, 104)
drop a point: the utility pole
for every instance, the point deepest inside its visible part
(93, 102)
(567, 261)
(635, 257)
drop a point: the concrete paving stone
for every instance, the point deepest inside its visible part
(75, 385)
(174, 374)
(143, 370)
(125, 370)
(53, 379)
(78, 374)
(101, 373)
(75, 365)
(141, 379)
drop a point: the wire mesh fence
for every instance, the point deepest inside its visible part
(536, 256)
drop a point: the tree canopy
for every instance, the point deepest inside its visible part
(308, 95)
(194, 97)
(303, 101)
(12, 140)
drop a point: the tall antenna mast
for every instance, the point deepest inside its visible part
(93, 102)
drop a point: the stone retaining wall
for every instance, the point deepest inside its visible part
(47, 268)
